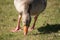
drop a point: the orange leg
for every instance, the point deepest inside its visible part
(35, 19)
(25, 30)
(18, 24)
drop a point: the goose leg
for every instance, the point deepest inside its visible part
(33, 26)
(18, 25)
(35, 19)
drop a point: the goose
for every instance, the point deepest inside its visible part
(26, 9)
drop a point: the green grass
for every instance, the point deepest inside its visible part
(47, 25)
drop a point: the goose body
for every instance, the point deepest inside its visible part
(21, 5)
(26, 9)
(34, 6)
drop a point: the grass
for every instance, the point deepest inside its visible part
(47, 25)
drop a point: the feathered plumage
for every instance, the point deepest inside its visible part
(26, 9)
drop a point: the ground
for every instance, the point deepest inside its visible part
(47, 25)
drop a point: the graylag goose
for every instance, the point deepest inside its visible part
(26, 9)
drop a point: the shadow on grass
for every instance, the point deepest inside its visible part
(49, 28)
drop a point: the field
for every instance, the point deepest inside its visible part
(47, 25)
